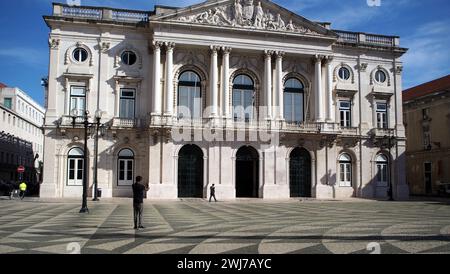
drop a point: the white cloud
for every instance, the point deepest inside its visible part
(26, 56)
(429, 55)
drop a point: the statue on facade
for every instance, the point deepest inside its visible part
(280, 23)
(238, 12)
(259, 16)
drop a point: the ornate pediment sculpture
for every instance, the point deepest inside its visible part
(246, 14)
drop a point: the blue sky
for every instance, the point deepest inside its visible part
(424, 28)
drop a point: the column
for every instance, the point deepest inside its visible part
(318, 85)
(169, 78)
(226, 82)
(214, 82)
(157, 95)
(279, 85)
(330, 106)
(268, 83)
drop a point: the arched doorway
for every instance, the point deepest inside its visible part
(300, 173)
(190, 172)
(247, 173)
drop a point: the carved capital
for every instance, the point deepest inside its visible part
(280, 54)
(53, 43)
(398, 70)
(362, 67)
(328, 59)
(214, 49)
(169, 45)
(318, 58)
(104, 46)
(268, 53)
(226, 50)
(157, 45)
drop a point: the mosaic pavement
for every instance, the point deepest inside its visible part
(244, 227)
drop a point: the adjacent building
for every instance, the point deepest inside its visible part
(21, 134)
(427, 119)
(243, 94)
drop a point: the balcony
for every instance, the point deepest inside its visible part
(126, 123)
(359, 38)
(350, 131)
(382, 132)
(101, 14)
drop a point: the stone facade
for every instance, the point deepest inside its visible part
(21, 133)
(427, 120)
(226, 53)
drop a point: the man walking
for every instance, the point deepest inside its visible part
(213, 193)
(138, 202)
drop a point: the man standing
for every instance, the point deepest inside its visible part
(213, 193)
(138, 202)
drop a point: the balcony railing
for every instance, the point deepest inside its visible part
(67, 120)
(367, 39)
(126, 123)
(382, 132)
(81, 12)
(94, 13)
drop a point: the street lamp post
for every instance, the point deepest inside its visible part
(390, 140)
(98, 117)
(84, 207)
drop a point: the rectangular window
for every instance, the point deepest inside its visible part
(345, 108)
(382, 174)
(126, 171)
(243, 105)
(293, 107)
(77, 100)
(8, 103)
(425, 114)
(127, 103)
(382, 115)
(75, 176)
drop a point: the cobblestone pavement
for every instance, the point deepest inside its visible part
(242, 227)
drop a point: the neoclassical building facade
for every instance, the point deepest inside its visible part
(242, 94)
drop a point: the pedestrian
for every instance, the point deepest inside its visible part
(213, 193)
(138, 202)
(23, 189)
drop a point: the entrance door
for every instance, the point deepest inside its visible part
(190, 172)
(300, 173)
(428, 181)
(247, 173)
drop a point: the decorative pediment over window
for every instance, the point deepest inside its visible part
(248, 14)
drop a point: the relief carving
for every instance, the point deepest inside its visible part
(246, 14)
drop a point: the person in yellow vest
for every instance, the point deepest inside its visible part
(23, 188)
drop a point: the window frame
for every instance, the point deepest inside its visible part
(128, 53)
(242, 89)
(382, 169)
(126, 160)
(71, 96)
(127, 98)
(291, 92)
(345, 170)
(382, 113)
(343, 68)
(191, 87)
(76, 158)
(80, 49)
(346, 123)
(378, 72)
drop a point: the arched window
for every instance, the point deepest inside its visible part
(345, 170)
(243, 98)
(294, 101)
(382, 163)
(189, 95)
(125, 167)
(75, 164)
